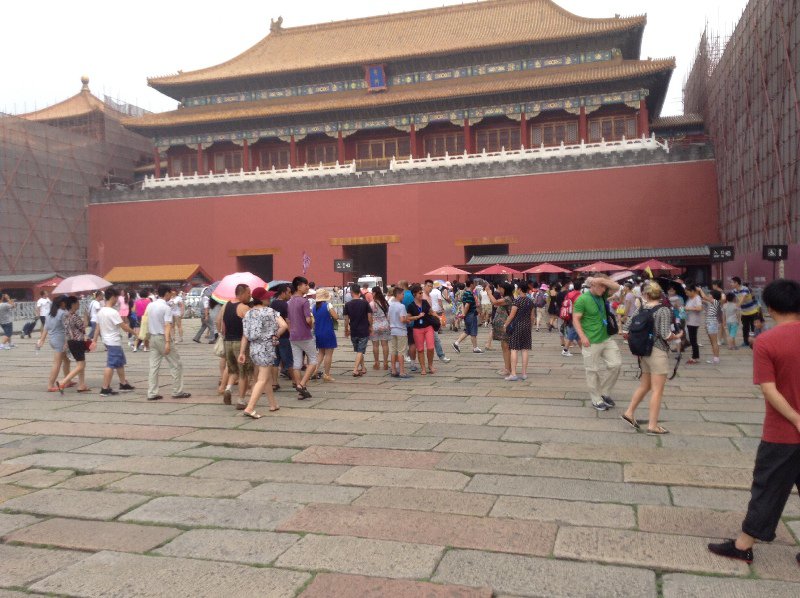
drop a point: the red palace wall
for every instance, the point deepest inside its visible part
(665, 205)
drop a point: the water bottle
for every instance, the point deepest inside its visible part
(36, 349)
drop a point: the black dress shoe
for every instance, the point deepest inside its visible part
(155, 398)
(728, 549)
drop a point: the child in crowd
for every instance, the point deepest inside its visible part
(398, 321)
(733, 316)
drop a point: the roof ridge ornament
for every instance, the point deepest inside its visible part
(85, 83)
(276, 26)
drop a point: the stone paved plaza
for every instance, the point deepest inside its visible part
(458, 485)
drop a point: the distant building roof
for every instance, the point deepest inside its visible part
(11, 279)
(372, 40)
(81, 104)
(165, 273)
(592, 255)
(679, 120)
(556, 77)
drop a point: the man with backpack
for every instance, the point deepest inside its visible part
(601, 356)
(648, 332)
(540, 304)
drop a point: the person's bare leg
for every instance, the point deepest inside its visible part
(513, 363)
(54, 369)
(506, 357)
(376, 354)
(258, 389)
(107, 373)
(638, 395)
(65, 367)
(474, 341)
(326, 367)
(421, 358)
(657, 384)
(80, 366)
(431, 369)
(525, 354)
(123, 379)
(385, 349)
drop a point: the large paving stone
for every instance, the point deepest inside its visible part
(531, 466)
(9, 523)
(75, 503)
(566, 489)
(725, 500)
(47, 443)
(388, 441)
(488, 447)
(258, 548)
(698, 522)
(421, 499)
(21, 564)
(532, 576)
(339, 585)
(362, 475)
(662, 551)
(8, 469)
(775, 561)
(460, 431)
(688, 475)
(242, 454)
(272, 472)
(279, 439)
(212, 512)
(80, 534)
(91, 481)
(610, 439)
(63, 461)
(153, 448)
(303, 493)
(102, 430)
(39, 478)
(434, 418)
(682, 585)
(379, 558)
(165, 485)
(7, 492)
(441, 529)
(368, 427)
(565, 512)
(156, 465)
(132, 576)
(333, 455)
(623, 454)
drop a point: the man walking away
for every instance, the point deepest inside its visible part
(470, 312)
(230, 324)
(159, 325)
(300, 337)
(776, 361)
(358, 326)
(109, 323)
(601, 356)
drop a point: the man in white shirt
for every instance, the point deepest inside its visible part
(108, 324)
(42, 307)
(94, 309)
(175, 302)
(159, 326)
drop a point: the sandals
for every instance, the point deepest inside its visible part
(274, 408)
(60, 388)
(276, 387)
(252, 414)
(634, 424)
(84, 389)
(659, 431)
(55, 389)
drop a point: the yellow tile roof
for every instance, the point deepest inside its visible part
(458, 28)
(555, 77)
(80, 104)
(155, 273)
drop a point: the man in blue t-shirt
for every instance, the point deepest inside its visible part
(470, 312)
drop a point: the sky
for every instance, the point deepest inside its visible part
(47, 45)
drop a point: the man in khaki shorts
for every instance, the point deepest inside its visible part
(398, 345)
(229, 324)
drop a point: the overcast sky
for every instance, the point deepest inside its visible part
(46, 45)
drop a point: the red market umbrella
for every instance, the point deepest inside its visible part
(500, 269)
(226, 289)
(656, 265)
(545, 269)
(446, 271)
(601, 267)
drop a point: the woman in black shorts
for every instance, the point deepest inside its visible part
(76, 344)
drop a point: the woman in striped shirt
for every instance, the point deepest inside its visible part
(711, 302)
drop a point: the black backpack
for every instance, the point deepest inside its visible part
(641, 332)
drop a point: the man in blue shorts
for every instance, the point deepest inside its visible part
(109, 324)
(358, 326)
(469, 310)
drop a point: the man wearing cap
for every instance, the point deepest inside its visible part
(159, 325)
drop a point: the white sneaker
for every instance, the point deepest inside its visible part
(477, 350)
(444, 359)
(407, 359)
(135, 349)
(566, 353)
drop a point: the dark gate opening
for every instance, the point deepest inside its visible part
(260, 265)
(471, 251)
(367, 259)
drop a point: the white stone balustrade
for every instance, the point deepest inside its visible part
(536, 153)
(305, 171)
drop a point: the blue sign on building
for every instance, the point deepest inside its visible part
(376, 78)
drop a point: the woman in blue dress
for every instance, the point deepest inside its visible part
(55, 332)
(324, 318)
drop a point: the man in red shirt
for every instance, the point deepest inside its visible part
(776, 361)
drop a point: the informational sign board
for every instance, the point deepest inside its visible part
(775, 253)
(342, 265)
(721, 253)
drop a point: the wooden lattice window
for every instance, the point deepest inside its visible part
(324, 152)
(185, 164)
(612, 128)
(269, 158)
(493, 140)
(439, 144)
(230, 160)
(382, 148)
(554, 133)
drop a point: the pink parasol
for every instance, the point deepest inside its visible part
(500, 269)
(82, 283)
(226, 289)
(446, 271)
(656, 265)
(601, 267)
(545, 269)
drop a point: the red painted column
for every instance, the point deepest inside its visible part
(292, 152)
(157, 162)
(200, 166)
(412, 142)
(644, 126)
(523, 130)
(246, 156)
(583, 126)
(467, 137)
(340, 148)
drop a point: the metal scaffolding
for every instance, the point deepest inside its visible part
(47, 172)
(747, 89)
